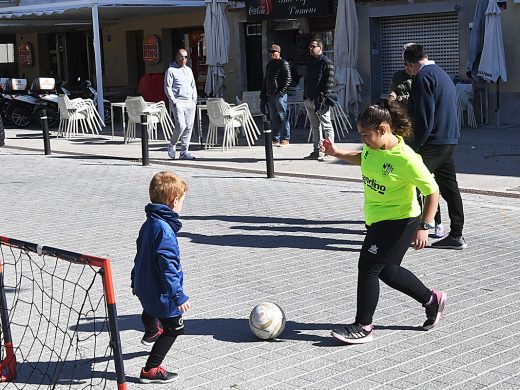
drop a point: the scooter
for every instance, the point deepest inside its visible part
(45, 91)
(87, 91)
(20, 106)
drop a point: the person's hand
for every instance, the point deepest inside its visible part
(328, 147)
(392, 96)
(185, 306)
(420, 239)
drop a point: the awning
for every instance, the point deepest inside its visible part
(29, 17)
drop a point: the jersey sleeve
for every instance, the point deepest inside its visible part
(417, 174)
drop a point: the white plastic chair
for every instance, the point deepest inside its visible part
(465, 103)
(73, 113)
(340, 121)
(296, 107)
(135, 107)
(221, 114)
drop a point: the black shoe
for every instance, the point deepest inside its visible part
(313, 156)
(450, 242)
(434, 310)
(157, 375)
(353, 334)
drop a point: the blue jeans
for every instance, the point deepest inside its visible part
(279, 117)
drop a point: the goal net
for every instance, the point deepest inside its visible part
(58, 320)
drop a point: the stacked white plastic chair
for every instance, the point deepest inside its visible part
(465, 103)
(296, 107)
(135, 107)
(340, 121)
(221, 114)
(77, 115)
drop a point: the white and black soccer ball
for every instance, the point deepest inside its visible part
(267, 320)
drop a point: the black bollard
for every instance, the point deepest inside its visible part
(268, 138)
(45, 129)
(144, 140)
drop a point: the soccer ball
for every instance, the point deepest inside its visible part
(267, 320)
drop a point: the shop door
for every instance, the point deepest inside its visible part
(134, 55)
(79, 56)
(254, 66)
(193, 41)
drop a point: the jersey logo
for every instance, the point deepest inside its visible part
(373, 249)
(374, 185)
(387, 169)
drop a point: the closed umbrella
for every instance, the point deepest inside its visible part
(346, 38)
(492, 65)
(216, 34)
(476, 38)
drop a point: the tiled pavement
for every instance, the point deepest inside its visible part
(292, 241)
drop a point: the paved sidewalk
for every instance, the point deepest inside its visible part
(295, 242)
(487, 158)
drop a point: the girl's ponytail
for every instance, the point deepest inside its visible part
(390, 111)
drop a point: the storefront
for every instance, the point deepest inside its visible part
(290, 24)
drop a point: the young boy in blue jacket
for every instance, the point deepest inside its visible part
(157, 276)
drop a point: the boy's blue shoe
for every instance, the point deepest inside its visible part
(186, 156)
(157, 375)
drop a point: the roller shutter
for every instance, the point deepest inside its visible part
(438, 33)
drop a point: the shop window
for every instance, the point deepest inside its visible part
(254, 29)
(6, 53)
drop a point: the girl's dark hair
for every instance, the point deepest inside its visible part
(389, 111)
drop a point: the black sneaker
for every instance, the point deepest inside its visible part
(353, 334)
(313, 156)
(434, 309)
(149, 339)
(157, 375)
(450, 242)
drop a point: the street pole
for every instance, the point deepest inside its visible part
(45, 129)
(144, 140)
(268, 137)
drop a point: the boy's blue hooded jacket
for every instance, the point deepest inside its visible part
(157, 276)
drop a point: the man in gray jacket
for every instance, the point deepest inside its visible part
(180, 87)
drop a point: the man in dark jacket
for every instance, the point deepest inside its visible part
(274, 94)
(433, 109)
(318, 96)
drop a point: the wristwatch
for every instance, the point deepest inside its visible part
(425, 226)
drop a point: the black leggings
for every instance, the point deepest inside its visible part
(172, 327)
(383, 250)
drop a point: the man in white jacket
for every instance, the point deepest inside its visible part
(180, 87)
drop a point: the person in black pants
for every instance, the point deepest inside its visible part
(433, 109)
(391, 173)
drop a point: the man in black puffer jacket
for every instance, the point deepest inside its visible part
(274, 96)
(319, 96)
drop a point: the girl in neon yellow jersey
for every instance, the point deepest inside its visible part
(391, 172)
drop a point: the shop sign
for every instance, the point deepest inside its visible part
(25, 54)
(286, 9)
(151, 49)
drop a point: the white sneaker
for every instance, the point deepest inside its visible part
(439, 231)
(171, 151)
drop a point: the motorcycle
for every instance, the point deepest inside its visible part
(87, 91)
(45, 91)
(18, 106)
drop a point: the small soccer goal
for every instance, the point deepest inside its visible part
(58, 319)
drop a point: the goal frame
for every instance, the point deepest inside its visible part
(8, 364)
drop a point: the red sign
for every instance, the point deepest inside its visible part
(151, 49)
(25, 54)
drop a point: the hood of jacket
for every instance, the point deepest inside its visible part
(161, 211)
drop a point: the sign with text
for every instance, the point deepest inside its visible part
(25, 54)
(286, 9)
(151, 49)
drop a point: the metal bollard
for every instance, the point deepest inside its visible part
(45, 129)
(268, 137)
(144, 140)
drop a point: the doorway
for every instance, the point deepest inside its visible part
(254, 51)
(192, 39)
(134, 55)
